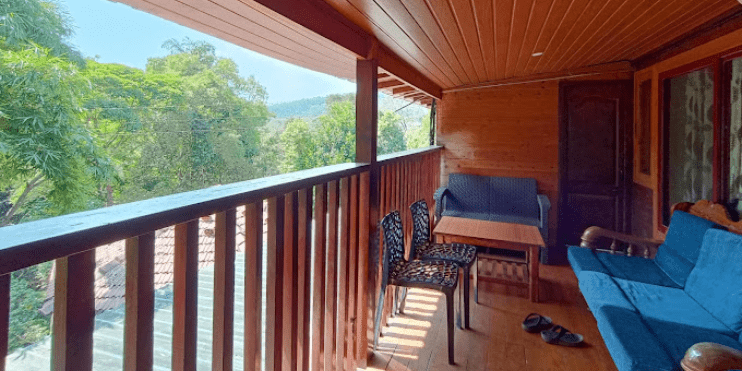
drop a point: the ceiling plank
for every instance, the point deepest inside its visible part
(541, 11)
(390, 84)
(546, 35)
(726, 23)
(402, 90)
(464, 16)
(522, 13)
(447, 23)
(503, 22)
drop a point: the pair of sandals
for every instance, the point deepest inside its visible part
(551, 334)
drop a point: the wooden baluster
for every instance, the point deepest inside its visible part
(318, 286)
(74, 312)
(303, 281)
(185, 296)
(331, 276)
(630, 250)
(253, 284)
(274, 290)
(140, 302)
(224, 271)
(4, 317)
(353, 274)
(342, 274)
(365, 291)
(290, 274)
(613, 247)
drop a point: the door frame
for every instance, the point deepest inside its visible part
(626, 140)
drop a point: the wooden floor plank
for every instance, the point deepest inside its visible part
(416, 339)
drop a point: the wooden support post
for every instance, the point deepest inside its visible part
(253, 284)
(185, 296)
(318, 312)
(140, 303)
(331, 276)
(274, 309)
(366, 141)
(224, 271)
(74, 313)
(303, 279)
(4, 317)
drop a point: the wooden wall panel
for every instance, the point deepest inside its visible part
(504, 131)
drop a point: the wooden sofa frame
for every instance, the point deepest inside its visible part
(701, 356)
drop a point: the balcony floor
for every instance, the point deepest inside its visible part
(416, 340)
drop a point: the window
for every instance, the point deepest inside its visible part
(688, 132)
(734, 115)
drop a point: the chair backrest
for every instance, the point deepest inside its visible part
(513, 196)
(391, 225)
(420, 225)
(468, 193)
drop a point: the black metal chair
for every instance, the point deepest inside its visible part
(438, 275)
(423, 248)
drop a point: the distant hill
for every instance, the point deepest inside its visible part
(310, 108)
(307, 107)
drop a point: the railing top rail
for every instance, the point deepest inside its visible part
(399, 156)
(36, 242)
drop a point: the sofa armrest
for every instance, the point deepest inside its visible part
(543, 205)
(711, 357)
(439, 197)
(592, 236)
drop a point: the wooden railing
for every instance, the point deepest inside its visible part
(318, 212)
(404, 179)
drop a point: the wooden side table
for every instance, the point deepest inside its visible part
(509, 236)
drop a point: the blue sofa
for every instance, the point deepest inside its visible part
(499, 199)
(651, 311)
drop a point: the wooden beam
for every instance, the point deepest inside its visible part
(140, 303)
(323, 19)
(253, 284)
(596, 70)
(74, 313)
(318, 286)
(224, 271)
(274, 346)
(389, 84)
(402, 90)
(185, 296)
(717, 27)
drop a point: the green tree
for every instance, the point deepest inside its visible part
(299, 147)
(336, 134)
(45, 149)
(391, 135)
(31, 23)
(419, 137)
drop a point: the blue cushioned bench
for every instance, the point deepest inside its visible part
(651, 311)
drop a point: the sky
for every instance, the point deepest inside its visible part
(117, 33)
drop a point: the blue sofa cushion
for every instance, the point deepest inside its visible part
(671, 305)
(716, 281)
(600, 290)
(514, 196)
(679, 253)
(677, 338)
(627, 267)
(582, 259)
(469, 193)
(632, 345)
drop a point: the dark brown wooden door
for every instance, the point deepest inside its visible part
(595, 158)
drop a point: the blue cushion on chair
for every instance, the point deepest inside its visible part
(600, 289)
(468, 193)
(632, 345)
(583, 259)
(677, 338)
(627, 267)
(671, 305)
(679, 253)
(716, 281)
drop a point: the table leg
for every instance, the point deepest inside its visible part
(476, 279)
(533, 271)
(466, 297)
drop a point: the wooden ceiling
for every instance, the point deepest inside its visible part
(465, 42)
(452, 43)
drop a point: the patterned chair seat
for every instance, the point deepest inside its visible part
(435, 272)
(457, 252)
